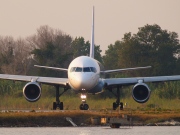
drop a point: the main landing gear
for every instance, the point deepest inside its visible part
(117, 103)
(83, 106)
(58, 105)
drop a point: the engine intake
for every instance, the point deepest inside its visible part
(141, 92)
(32, 91)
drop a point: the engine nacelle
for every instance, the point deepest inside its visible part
(32, 91)
(141, 92)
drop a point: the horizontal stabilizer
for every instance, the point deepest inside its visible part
(53, 68)
(124, 69)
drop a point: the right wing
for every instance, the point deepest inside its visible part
(45, 80)
(54, 68)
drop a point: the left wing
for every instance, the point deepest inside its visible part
(124, 69)
(134, 80)
(45, 80)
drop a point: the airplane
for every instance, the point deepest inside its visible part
(84, 77)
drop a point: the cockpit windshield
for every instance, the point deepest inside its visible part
(84, 69)
(78, 69)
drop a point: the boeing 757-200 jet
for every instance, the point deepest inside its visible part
(84, 77)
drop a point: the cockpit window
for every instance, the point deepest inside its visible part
(85, 69)
(73, 69)
(93, 69)
(78, 69)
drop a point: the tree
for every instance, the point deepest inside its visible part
(150, 46)
(111, 56)
(161, 47)
(14, 55)
(51, 48)
(133, 54)
(82, 48)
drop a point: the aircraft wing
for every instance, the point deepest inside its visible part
(53, 68)
(124, 69)
(134, 80)
(45, 80)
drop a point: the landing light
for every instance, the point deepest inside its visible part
(83, 100)
(83, 96)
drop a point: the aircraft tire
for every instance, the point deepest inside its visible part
(114, 105)
(54, 105)
(86, 106)
(58, 106)
(121, 106)
(81, 107)
(61, 106)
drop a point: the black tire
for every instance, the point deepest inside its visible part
(61, 106)
(86, 106)
(121, 106)
(54, 105)
(81, 107)
(114, 106)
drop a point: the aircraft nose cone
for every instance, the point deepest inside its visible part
(83, 81)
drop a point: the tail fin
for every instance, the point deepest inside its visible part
(92, 36)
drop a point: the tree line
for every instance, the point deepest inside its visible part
(151, 45)
(48, 46)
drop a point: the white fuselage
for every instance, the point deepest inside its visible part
(83, 73)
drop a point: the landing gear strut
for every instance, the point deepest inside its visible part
(83, 106)
(117, 103)
(58, 105)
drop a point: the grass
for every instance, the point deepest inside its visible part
(72, 103)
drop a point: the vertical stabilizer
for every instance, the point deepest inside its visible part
(92, 36)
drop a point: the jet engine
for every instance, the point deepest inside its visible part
(141, 92)
(32, 91)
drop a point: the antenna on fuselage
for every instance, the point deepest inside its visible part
(92, 36)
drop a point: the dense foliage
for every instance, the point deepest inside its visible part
(150, 46)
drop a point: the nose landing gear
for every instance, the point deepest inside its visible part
(83, 106)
